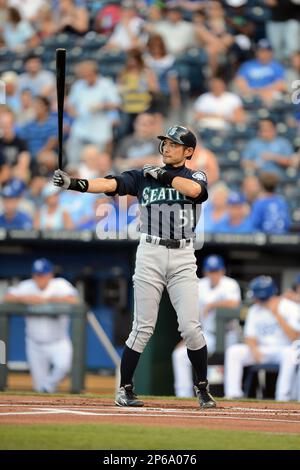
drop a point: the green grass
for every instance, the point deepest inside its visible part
(131, 437)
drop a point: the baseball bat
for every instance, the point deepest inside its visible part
(60, 89)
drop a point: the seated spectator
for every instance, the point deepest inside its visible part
(96, 214)
(82, 209)
(293, 293)
(18, 33)
(205, 160)
(136, 83)
(263, 76)
(216, 290)
(128, 33)
(272, 324)
(240, 22)
(178, 35)
(14, 148)
(27, 8)
(107, 19)
(250, 188)
(26, 112)
(212, 34)
(45, 163)
(215, 210)
(72, 18)
(270, 212)
(12, 217)
(12, 95)
(267, 152)
(3, 14)
(52, 216)
(155, 12)
(162, 64)
(283, 27)
(40, 82)
(218, 109)
(41, 133)
(94, 164)
(91, 102)
(139, 148)
(237, 220)
(45, 22)
(293, 71)
(33, 194)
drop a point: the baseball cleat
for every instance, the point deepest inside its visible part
(204, 397)
(127, 397)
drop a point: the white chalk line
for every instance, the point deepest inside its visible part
(221, 411)
(139, 413)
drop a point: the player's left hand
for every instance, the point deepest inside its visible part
(153, 171)
(61, 179)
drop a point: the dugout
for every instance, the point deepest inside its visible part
(102, 270)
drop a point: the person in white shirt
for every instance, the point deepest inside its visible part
(28, 8)
(272, 326)
(216, 290)
(93, 103)
(218, 109)
(178, 35)
(48, 345)
(40, 82)
(128, 32)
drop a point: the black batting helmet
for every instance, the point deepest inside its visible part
(179, 134)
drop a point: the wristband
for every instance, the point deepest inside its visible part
(79, 185)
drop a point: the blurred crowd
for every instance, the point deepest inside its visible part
(228, 69)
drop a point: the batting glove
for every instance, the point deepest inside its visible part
(61, 179)
(154, 171)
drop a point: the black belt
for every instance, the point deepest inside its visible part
(167, 242)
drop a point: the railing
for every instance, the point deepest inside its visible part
(77, 313)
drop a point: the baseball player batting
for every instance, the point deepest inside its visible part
(165, 256)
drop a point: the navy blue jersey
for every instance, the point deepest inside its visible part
(165, 212)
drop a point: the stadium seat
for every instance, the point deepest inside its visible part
(263, 113)
(251, 102)
(93, 40)
(17, 66)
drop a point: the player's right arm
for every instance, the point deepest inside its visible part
(97, 185)
(102, 185)
(127, 183)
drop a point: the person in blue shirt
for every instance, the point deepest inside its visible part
(263, 76)
(237, 220)
(215, 210)
(12, 218)
(41, 133)
(267, 151)
(270, 212)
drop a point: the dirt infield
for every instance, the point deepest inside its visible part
(251, 416)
